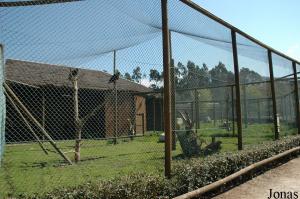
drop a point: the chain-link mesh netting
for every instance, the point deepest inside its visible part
(285, 95)
(298, 78)
(204, 85)
(84, 86)
(256, 98)
(83, 83)
(2, 106)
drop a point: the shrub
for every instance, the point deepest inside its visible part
(187, 175)
(195, 173)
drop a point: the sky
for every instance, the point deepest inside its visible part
(84, 34)
(274, 22)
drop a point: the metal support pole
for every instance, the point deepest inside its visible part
(154, 115)
(116, 101)
(232, 112)
(245, 106)
(237, 90)
(173, 91)
(196, 108)
(258, 111)
(296, 97)
(290, 116)
(43, 113)
(214, 113)
(143, 123)
(221, 108)
(167, 88)
(275, 119)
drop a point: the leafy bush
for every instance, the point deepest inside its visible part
(195, 173)
(187, 175)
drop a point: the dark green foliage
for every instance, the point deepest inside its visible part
(200, 172)
(139, 185)
(187, 175)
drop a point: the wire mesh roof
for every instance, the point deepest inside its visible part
(51, 32)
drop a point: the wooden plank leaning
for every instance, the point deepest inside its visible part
(30, 116)
(26, 122)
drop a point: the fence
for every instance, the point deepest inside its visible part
(2, 102)
(113, 88)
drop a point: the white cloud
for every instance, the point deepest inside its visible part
(294, 51)
(145, 82)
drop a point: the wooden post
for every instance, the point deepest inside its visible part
(284, 108)
(30, 116)
(167, 88)
(73, 76)
(214, 113)
(290, 106)
(116, 102)
(258, 111)
(232, 112)
(154, 116)
(275, 119)
(296, 97)
(196, 109)
(143, 123)
(237, 90)
(227, 111)
(161, 104)
(221, 107)
(173, 95)
(192, 112)
(245, 106)
(43, 112)
(269, 108)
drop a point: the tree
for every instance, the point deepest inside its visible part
(137, 74)
(117, 71)
(220, 75)
(128, 76)
(156, 77)
(180, 73)
(248, 76)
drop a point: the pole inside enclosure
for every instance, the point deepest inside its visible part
(258, 111)
(232, 112)
(237, 90)
(275, 119)
(2, 111)
(296, 97)
(245, 106)
(167, 88)
(196, 109)
(115, 100)
(173, 90)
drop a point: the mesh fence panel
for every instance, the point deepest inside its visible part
(298, 78)
(204, 84)
(256, 98)
(2, 106)
(285, 100)
(84, 85)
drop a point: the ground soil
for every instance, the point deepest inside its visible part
(283, 178)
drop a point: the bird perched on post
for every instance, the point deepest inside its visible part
(114, 78)
(73, 74)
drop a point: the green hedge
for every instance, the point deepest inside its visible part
(187, 175)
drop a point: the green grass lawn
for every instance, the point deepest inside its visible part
(26, 169)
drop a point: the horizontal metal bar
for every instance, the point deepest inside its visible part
(33, 3)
